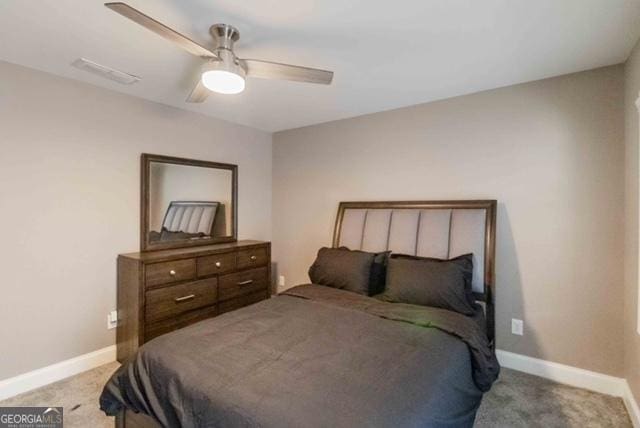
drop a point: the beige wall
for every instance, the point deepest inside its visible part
(551, 152)
(69, 196)
(631, 337)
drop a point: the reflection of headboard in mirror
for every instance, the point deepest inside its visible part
(187, 202)
(441, 229)
(190, 217)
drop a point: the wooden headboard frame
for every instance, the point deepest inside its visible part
(487, 297)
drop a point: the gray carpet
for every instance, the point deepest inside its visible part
(521, 400)
(516, 400)
(78, 395)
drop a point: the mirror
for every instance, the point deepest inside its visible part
(187, 202)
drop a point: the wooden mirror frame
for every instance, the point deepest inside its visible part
(145, 169)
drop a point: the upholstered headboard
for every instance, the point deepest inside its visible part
(190, 216)
(442, 229)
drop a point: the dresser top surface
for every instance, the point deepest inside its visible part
(161, 255)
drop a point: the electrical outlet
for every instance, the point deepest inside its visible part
(112, 320)
(517, 327)
(281, 281)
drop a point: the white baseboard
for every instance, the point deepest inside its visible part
(46, 375)
(561, 373)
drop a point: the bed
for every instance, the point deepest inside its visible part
(319, 356)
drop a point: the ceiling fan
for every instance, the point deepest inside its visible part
(223, 71)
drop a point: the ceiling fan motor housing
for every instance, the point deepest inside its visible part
(227, 61)
(224, 36)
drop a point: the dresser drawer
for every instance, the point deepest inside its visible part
(161, 327)
(241, 283)
(216, 264)
(168, 272)
(242, 301)
(169, 301)
(253, 257)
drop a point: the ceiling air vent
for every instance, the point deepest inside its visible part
(104, 71)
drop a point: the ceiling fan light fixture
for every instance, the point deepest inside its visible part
(223, 77)
(223, 82)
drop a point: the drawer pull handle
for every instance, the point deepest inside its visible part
(247, 282)
(253, 258)
(218, 264)
(172, 272)
(184, 298)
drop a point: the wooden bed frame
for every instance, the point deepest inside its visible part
(129, 419)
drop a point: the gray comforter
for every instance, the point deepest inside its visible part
(312, 357)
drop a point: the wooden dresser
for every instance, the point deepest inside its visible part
(162, 291)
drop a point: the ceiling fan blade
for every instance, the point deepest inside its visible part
(199, 93)
(160, 29)
(274, 70)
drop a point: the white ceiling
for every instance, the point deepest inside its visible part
(385, 54)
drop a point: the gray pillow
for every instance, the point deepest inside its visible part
(433, 282)
(378, 274)
(342, 268)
